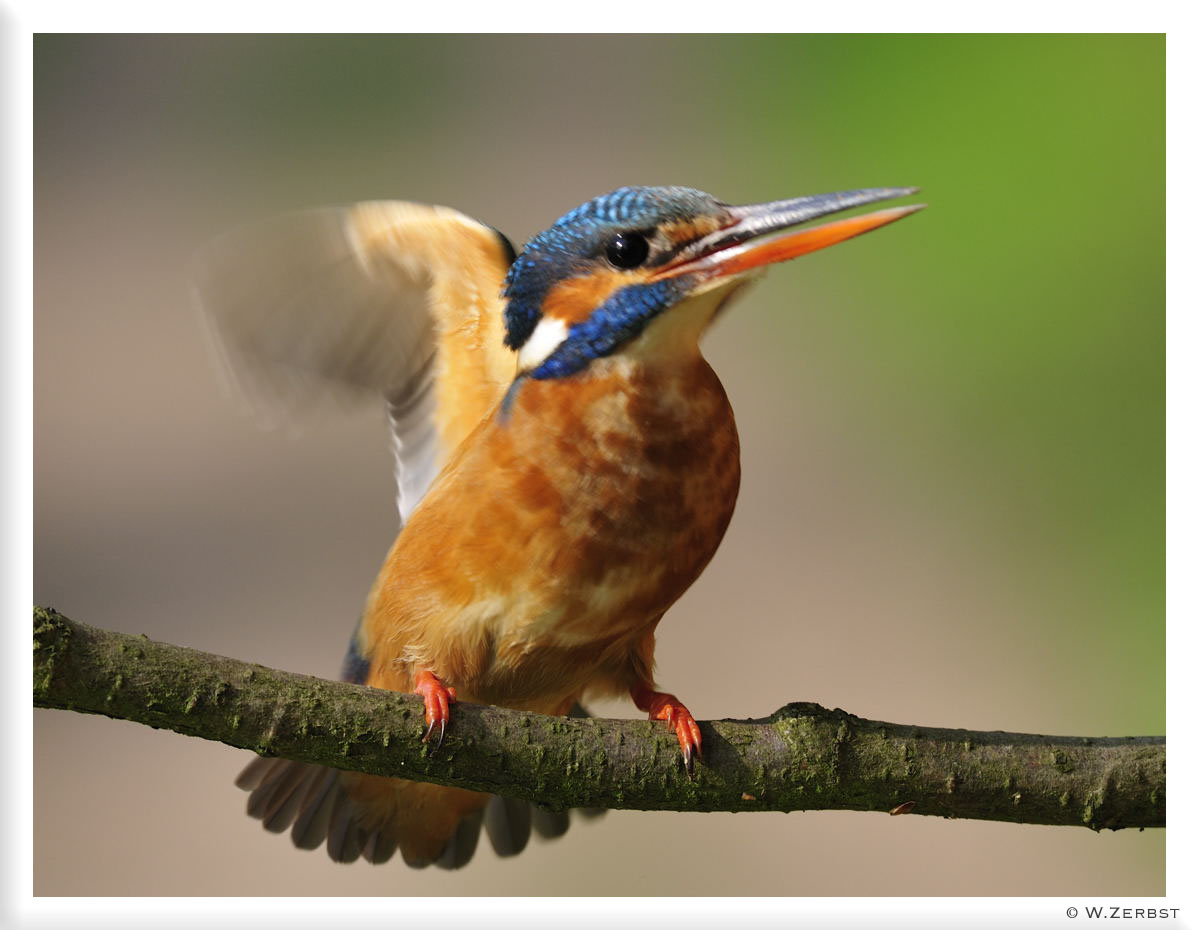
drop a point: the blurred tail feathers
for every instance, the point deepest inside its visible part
(370, 816)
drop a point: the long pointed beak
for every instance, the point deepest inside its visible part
(747, 243)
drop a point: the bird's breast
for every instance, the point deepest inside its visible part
(563, 528)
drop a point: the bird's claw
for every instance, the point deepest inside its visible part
(687, 731)
(438, 699)
(667, 707)
(440, 733)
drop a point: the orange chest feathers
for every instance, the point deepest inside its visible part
(557, 536)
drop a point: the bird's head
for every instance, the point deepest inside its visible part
(593, 282)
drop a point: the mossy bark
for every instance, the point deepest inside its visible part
(802, 757)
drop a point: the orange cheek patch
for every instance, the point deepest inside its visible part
(574, 299)
(683, 231)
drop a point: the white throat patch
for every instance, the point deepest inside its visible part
(549, 333)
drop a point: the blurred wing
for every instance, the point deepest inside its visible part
(388, 299)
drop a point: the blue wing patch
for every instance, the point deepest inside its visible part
(355, 667)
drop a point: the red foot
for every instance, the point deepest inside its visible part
(438, 699)
(662, 706)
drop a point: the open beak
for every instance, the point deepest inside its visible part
(747, 244)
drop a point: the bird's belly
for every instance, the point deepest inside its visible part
(582, 529)
(639, 495)
(569, 602)
(597, 584)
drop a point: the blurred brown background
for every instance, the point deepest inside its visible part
(952, 511)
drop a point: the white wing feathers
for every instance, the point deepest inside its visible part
(387, 299)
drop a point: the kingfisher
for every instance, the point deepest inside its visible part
(567, 461)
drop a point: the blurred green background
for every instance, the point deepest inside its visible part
(953, 509)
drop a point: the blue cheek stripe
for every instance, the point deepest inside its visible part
(622, 317)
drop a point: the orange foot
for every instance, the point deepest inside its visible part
(662, 706)
(438, 699)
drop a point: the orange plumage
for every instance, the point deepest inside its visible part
(557, 502)
(526, 578)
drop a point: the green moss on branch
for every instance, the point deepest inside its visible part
(802, 757)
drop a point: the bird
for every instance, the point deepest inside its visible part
(567, 462)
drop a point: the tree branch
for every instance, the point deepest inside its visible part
(802, 757)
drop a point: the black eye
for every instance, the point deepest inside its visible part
(627, 249)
